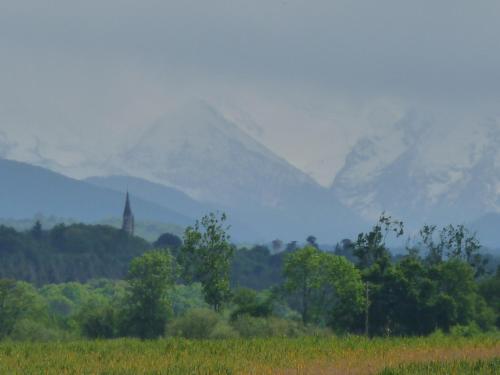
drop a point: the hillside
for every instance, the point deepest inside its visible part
(160, 194)
(26, 191)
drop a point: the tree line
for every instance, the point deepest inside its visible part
(187, 288)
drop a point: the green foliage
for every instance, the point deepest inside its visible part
(248, 302)
(150, 277)
(186, 297)
(489, 289)
(18, 301)
(451, 242)
(328, 286)
(470, 330)
(437, 287)
(206, 257)
(419, 295)
(195, 324)
(248, 326)
(370, 248)
(223, 331)
(67, 253)
(168, 241)
(100, 322)
(36, 331)
(257, 268)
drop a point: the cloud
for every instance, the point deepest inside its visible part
(358, 45)
(94, 74)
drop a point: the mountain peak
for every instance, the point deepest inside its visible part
(421, 170)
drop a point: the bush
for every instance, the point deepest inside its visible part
(29, 330)
(186, 297)
(316, 331)
(248, 326)
(247, 302)
(196, 324)
(99, 322)
(465, 331)
(223, 330)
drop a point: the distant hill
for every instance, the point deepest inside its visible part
(26, 191)
(152, 192)
(241, 227)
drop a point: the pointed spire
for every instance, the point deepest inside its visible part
(128, 210)
(128, 217)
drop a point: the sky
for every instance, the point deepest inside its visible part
(306, 78)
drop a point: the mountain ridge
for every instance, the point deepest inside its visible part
(424, 174)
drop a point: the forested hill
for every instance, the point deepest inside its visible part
(80, 252)
(67, 253)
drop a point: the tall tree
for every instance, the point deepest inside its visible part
(300, 273)
(328, 286)
(374, 261)
(206, 257)
(451, 242)
(370, 248)
(150, 277)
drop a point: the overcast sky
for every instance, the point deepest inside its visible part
(299, 75)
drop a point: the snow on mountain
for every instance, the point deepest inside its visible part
(423, 172)
(200, 152)
(196, 150)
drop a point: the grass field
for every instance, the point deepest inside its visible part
(477, 367)
(350, 355)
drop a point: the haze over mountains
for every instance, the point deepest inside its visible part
(193, 160)
(195, 150)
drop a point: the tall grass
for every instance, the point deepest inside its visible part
(349, 355)
(480, 367)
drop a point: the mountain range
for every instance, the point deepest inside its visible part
(424, 173)
(193, 160)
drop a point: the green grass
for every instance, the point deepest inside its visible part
(349, 355)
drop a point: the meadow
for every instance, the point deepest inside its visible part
(308, 355)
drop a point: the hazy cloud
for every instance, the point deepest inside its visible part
(321, 68)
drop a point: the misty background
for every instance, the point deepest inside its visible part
(309, 117)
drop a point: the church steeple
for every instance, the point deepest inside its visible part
(128, 217)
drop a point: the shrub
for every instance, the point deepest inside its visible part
(247, 302)
(223, 330)
(248, 326)
(29, 330)
(99, 322)
(465, 331)
(196, 324)
(186, 297)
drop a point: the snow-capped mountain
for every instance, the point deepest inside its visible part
(198, 151)
(422, 172)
